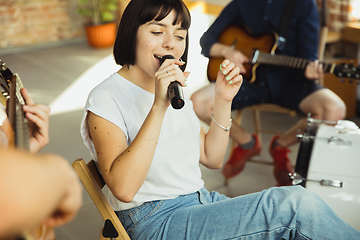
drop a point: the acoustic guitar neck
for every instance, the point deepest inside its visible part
(285, 61)
(11, 85)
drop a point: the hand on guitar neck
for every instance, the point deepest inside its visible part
(38, 116)
(29, 121)
(314, 70)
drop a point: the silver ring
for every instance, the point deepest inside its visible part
(167, 73)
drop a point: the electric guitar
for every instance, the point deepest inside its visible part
(18, 134)
(260, 49)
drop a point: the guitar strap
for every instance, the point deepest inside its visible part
(285, 22)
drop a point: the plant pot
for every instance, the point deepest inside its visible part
(101, 36)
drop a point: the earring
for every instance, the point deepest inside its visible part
(129, 67)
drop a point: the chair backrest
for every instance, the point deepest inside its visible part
(93, 182)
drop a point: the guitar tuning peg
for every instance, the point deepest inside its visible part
(299, 135)
(2, 66)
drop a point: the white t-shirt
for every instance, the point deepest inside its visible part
(175, 168)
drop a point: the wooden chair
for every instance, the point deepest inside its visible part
(93, 183)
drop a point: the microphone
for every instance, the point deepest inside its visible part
(175, 92)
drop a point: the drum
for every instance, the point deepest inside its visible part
(328, 164)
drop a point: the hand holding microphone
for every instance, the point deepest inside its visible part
(175, 92)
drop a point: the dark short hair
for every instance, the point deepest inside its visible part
(139, 12)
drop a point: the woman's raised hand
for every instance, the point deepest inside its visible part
(228, 80)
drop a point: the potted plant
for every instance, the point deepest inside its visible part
(100, 15)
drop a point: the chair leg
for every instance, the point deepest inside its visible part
(226, 181)
(101, 235)
(257, 123)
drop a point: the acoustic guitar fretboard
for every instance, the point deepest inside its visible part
(285, 61)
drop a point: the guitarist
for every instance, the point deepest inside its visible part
(47, 189)
(288, 87)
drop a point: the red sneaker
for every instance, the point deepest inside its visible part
(282, 164)
(238, 158)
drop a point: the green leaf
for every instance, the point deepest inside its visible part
(107, 9)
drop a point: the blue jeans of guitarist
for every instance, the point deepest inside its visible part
(299, 214)
(288, 95)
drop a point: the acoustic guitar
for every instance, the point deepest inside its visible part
(18, 134)
(260, 49)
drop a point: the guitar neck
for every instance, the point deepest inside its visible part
(286, 61)
(10, 85)
(16, 115)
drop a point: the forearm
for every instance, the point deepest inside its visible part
(32, 186)
(219, 50)
(216, 139)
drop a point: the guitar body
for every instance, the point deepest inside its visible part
(245, 43)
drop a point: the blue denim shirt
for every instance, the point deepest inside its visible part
(263, 16)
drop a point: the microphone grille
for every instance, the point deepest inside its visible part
(166, 57)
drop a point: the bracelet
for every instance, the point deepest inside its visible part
(226, 129)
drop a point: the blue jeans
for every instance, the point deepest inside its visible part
(276, 213)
